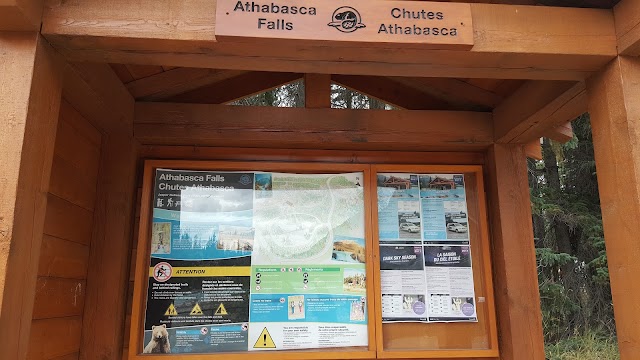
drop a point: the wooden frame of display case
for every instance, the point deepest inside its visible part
(481, 265)
(142, 272)
(375, 349)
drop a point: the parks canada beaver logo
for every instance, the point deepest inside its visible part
(346, 19)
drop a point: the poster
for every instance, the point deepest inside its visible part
(425, 257)
(255, 261)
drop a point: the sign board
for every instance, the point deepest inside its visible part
(428, 24)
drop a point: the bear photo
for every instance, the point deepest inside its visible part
(159, 343)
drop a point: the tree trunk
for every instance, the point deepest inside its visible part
(563, 236)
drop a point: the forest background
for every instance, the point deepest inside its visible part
(577, 310)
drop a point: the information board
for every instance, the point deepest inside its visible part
(425, 255)
(256, 261)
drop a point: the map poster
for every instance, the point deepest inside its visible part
(255, 261)
(425, 257)
(202, 237)
(308, 275)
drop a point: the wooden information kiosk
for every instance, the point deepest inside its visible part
(143, 217)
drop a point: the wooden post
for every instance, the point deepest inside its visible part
(97, 92)
(30, 86)
(514, 263)
(614, 105)
(317, 91)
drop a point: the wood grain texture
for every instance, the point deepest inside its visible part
(30, 88)
(236, 87)
(103, 330)
(561, 134)
(627, 21)
(221, 125)
(176, 81)
(537, 108)
(77, 142)
(178, 33)
(458, 93)
(533, 150)
(375, 28)
(392, 92)
(62, 258)
(514, 262)
(56, 337)
(73, 184)
(68, 221)
(614, 105)
(58, 297)
(304, 155)
(317, 91)
(20, 15)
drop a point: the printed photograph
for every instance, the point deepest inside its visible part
(409, 219)
(159, 342)
(161, 238)
(463, 306)
(348, 250)
(455, 213)
(239, 238)
(413, 304)
(405, 185)
(442, 186)
(354, 280)
(295, 307)
(358, 310)
(263, 185)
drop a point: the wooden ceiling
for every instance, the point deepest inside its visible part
(208, 86)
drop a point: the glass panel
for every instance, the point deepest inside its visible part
(256, 261)
(431, 268)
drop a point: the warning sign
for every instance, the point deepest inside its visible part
(221, 310)
(171, 311)
(196, 310)
(264, 341)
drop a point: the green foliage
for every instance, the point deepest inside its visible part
(593, 345)
(572, 261)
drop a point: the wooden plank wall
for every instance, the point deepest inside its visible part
(64, 258)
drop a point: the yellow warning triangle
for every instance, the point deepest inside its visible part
(196, 310)
(171, 311)
(221, 310)
(264, 341)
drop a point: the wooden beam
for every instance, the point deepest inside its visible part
(221, 125)
(455, 91)
(614, 106)
(533, 150)
(98, 94)
(627, 21)
(306, 155)
(514, 259)
(30, 87)
(179, 33)
(561, 134)
(177, 81)
(391, 92)
(20, 15)
(317, 91)
(234, 88)
(536, 108)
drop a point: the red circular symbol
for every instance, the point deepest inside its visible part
(162, 272)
